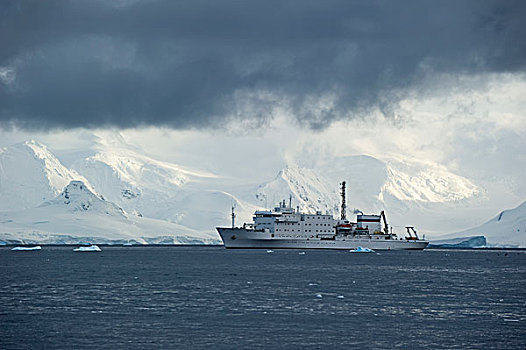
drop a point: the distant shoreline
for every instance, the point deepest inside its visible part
(110, 245)
(220, 245)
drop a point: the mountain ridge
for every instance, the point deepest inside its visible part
(142, 186)
(77, 215)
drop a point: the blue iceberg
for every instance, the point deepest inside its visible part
(361, 250)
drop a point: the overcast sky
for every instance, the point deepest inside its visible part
(199, 64)
(223, 84)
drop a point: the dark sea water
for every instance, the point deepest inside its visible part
(209, 297)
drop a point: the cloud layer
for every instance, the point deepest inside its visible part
(201, 64)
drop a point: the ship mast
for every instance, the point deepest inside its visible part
(344, 208)
(233, 216)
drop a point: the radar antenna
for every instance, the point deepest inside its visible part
(344, 208)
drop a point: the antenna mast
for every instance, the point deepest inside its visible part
(344, 208)
(233, 216)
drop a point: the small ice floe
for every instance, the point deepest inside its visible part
(91, 248)
(27, 248)
(270, 251)
(361, 250)
(319, 295)
(313, 284)
(301, 253)
(340, 297)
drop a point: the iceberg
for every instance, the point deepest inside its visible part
(91, 248)
(27, 248)
(460, 242)
(361, 250)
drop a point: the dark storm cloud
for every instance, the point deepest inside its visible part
(194, 63)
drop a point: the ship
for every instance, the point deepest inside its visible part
(284, 227)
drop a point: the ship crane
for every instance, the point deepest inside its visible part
(411, 231)
(386, 226)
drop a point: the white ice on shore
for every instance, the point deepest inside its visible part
(91, 248)
(27, 248)
(361, 250)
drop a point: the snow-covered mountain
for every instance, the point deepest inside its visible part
(77, 197)
(508, 228)
(77, 215)
(31, 174)
(371, 181)
(425, 182)
(152, 192)
(410, 192)
(152, 188)
(190, 202)
(309, 190)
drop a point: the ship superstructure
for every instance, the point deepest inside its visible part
(289, 228)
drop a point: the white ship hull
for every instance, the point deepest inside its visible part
(242, 238)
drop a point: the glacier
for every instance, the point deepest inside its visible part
(460, 242)
(506, 229)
